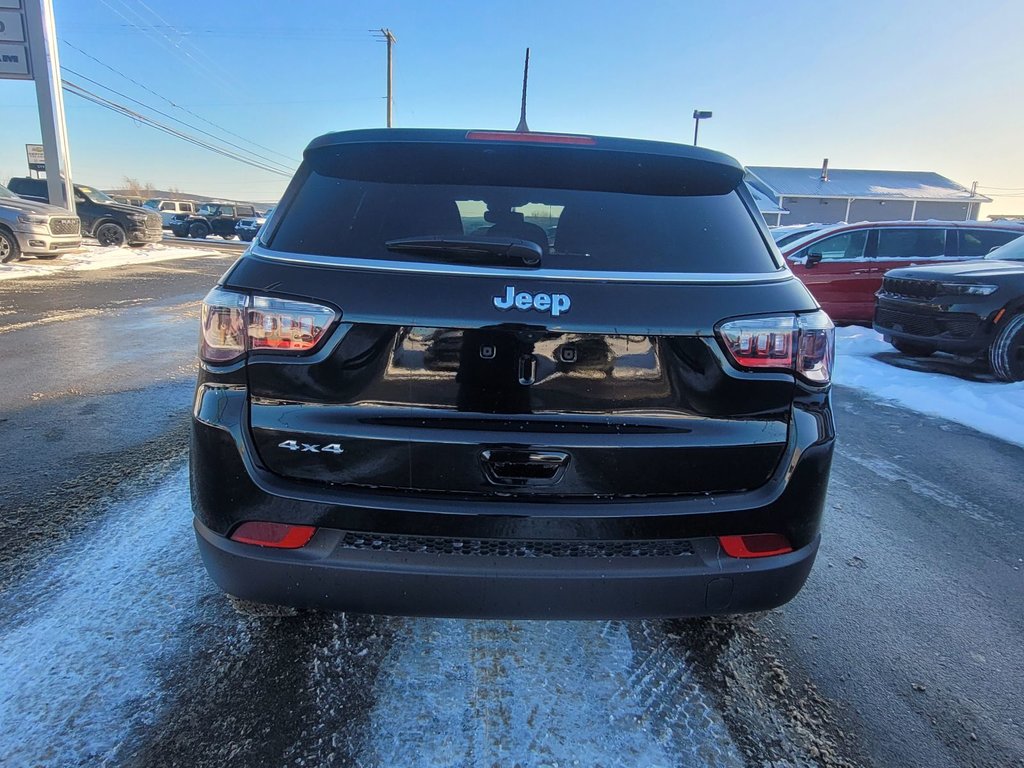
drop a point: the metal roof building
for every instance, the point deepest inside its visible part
(808, 195)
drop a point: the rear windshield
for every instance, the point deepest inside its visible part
(576, 229)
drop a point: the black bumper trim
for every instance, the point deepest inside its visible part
(327, 575)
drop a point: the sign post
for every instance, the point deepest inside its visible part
(28, 51)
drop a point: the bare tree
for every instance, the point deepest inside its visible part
(136, 187)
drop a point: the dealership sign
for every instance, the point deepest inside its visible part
(36, 157)
(14, 58)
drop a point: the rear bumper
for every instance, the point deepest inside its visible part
(229, 486)
(328, 573)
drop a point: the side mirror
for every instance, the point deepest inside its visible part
(813, 258)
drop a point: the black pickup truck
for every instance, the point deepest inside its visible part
(110, 222)
(212, 218)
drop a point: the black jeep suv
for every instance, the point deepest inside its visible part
(512, 375)
(212, 218)
(974, 310)
(110, 222)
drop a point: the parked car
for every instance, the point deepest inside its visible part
(168, 208)
(212, 218)
(110, 222)
(246, 229)
(401, 411)
(789, 233)
(35, 229)
(974, 310)
(843, 265)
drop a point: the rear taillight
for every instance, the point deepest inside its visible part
(802, 344)
(235, 323)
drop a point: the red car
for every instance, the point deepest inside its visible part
(843, 265)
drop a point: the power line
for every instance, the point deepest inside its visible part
(179, 106)
(175, 119)
(88, 95)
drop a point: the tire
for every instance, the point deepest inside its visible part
(10, 252)
(198, 230)
(912, 349)
(246, 238)
(47, 256)
(111, 235)
(1006, 355)
(228, 237)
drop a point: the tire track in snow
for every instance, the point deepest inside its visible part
(538, 693)
(79, 666)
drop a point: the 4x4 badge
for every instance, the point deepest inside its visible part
(555, 303)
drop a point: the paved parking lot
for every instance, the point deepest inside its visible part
(905, 648)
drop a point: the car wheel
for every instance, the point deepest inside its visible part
(912, 349)
(228, 237)
(1006, 355)
(9, 250)
(198, 229)
(246, 238)
(111, 235)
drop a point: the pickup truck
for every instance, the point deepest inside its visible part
(110, 222)
(35, 229)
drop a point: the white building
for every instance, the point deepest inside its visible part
(829, 195)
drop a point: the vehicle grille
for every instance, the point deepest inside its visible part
(69, 225)
(957, 325)
(917, 289)
(436, 545)
(153, 221)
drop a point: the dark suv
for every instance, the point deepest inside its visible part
(110, 222)
(974, 310)
(212, 218)
(512, 375)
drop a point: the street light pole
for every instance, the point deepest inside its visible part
(698, 115)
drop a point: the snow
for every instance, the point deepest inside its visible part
(537, 693)
(99, 257)
(90, 628)
(995, 408)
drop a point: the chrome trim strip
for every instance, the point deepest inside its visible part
(532, 274)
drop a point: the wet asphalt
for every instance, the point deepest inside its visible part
(904, 649)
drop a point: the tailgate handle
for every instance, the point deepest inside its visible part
(513, 467)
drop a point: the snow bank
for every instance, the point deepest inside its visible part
(994, 408)
(98, 257)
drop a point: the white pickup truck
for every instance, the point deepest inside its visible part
(35, 229)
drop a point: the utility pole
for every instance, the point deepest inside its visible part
(390, 40)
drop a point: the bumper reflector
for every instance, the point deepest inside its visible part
(755, 545)
(276, 535)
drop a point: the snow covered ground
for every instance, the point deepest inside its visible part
(98, 257)
(995, 408)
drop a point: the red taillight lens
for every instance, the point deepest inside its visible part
(529, 138)
(804, 344)
(234, 323)
(281, 324)
(755, 545)
(277, 535)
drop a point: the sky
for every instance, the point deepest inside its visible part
(875, 84)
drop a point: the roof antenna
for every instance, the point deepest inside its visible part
(523, 127)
